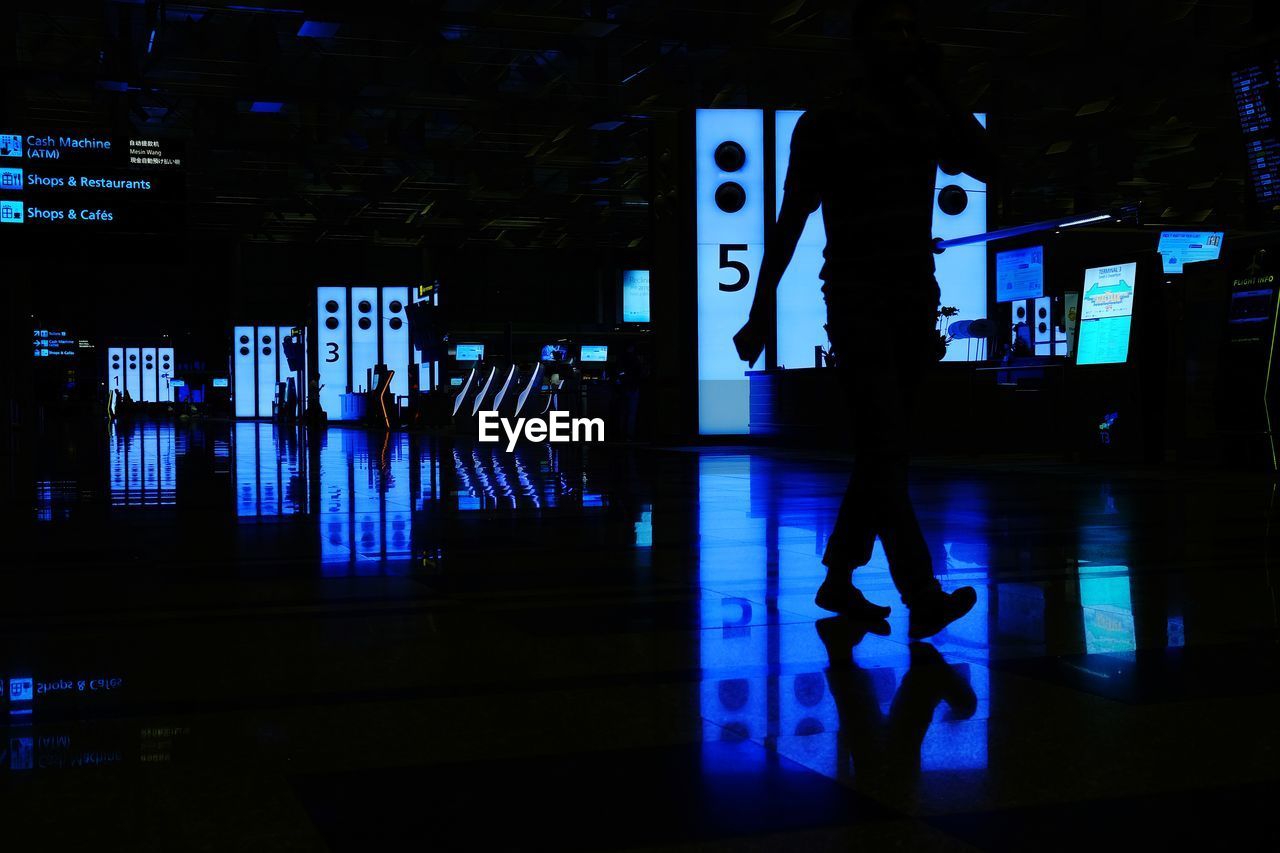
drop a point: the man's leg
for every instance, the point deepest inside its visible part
(854, 535)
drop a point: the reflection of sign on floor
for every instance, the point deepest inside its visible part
(10, 145)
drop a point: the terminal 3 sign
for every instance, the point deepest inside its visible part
(65, 179)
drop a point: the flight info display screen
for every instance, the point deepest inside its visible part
(1106, 313)
(1188, 247)
(1020, 274)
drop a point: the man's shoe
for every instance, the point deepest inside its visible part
(934, 611)
(849, 601)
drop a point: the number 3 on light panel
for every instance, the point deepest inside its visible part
(331, 333)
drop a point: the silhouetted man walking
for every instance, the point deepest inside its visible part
(870, 162)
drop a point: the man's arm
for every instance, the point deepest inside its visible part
(796, 207)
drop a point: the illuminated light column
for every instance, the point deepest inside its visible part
(115, 369)
(245, 386)
(729, 160)
(364, 336)
(266, 345)
(167, 366)
(331, 347)
(395, 337)
(133, 373)
(149, 389)
(962, 270)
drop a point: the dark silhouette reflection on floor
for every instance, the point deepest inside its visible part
(883, 750)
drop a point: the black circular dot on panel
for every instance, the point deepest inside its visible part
(730, 197)
(1022, 312)
(395, 323)
(365, 322)
(364, 306)
(395, 306)
(1043, 328)
(266, 350)
(331, 306)
(331, 323)
(729, 156)
(244, 350)
(1043, 313)
(266, 339)
(953, 200)
(244, 339)
(949, 170)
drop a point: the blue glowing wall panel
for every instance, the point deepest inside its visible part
(243, 360)
(267, 345)
(730, 212)
(331, 348)
(364, 335)
(166, 366)
(395, 337)
(133, 373)
(801, 311)
(115, 369)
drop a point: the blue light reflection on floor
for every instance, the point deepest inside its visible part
(765, 672)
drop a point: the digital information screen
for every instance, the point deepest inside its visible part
(1188, 247)
(595, 353)
(469, 352)
(1106, 313)
(555, 352)
(1257, 90)
(220, 382)
(1020, 274)
(635, 296)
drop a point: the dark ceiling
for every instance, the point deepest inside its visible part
(473, 122)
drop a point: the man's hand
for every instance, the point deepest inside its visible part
(750, 341)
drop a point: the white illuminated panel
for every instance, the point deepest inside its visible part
(801, 310)
(242, 363)
(266, 344)
(115, 369)
(962, 271)
(331, 347)
(729, 248)
(166, 366)
(364, 335)
(150, 393)
(133, 373)
(395, 337)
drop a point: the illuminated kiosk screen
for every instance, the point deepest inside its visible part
(1106, 312)
(595, 353)
(635, 296)
(1020, 274)
(1188, 247)
(469, 352)
(219, 382)
(555, 352)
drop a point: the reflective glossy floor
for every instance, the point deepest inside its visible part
(225, 637)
